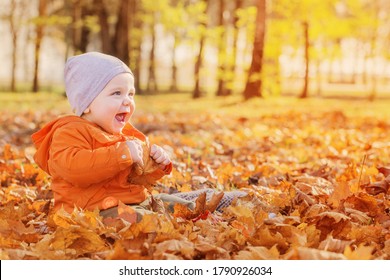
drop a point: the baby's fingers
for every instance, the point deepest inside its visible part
(160, 159)
(155, 151)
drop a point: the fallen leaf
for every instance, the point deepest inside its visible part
(140, 174)
(258, 253)
(360, 253)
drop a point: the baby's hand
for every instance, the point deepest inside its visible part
(160, 156)
(136, 151)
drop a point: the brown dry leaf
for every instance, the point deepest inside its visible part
(314, 185)
(150, 223)
(183, 248)
(365, 203)
(126, 213)
(334, 245)
(214, 201)
(304, 253)
(69, 243)
(8, 154)
(210, 251)
(62, 218)
(119, 252)
(384, 170)
(182, 211)
(264, 236)
(360, 253)
(202, 207)
(258, 253)
(341, 191)
(139, 174)
(367, 234)
(358, 216)
(334, 223)
(377, 187)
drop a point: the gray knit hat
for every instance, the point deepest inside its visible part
(87, 74)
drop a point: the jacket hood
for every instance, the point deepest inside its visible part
(42, 139)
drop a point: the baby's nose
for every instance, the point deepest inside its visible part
(126, 101)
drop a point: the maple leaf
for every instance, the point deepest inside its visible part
(360, 253)
(127, 213)
(77, 240)
(202, 207)
(139, 173)
(334, 245)
(303, 253)
(183, 248)
(148, 224)
(258, 253)
(122, 252)
(378, 187)
(341, 191)
(265, 236)
(332, 222)
(211, 251)
(365, 203)
(384, 170)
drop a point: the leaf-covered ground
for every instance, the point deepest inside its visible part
(315, 181)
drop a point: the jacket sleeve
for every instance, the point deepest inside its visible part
(73, 159)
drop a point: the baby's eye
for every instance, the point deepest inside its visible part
(131, 93)
(116, 92)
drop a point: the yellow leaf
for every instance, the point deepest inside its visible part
(258, 253)
(360, 253)
(62, 218)
(303, 253)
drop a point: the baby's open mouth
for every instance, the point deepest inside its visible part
(121, 117)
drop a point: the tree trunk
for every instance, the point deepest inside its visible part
(254, 83)
(221, 91)
(38, 41)
(135, 43)
(14, 55)
(197, 93)
(152, 85)
(174, 66)
(120, 42)
(14, 36)
(104, 26)
(319, 77)
(85, 31)
(76, 17)
(235, 42)
(305, 89)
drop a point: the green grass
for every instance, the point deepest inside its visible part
(235, 105)
(183, 103)
(26, 101)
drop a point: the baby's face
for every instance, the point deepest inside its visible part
(114, 105)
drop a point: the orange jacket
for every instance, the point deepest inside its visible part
(88, 166)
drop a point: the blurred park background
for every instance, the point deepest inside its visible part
(246, 48)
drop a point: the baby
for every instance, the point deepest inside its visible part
(90, 155)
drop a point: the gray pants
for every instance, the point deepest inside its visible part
(186, 198)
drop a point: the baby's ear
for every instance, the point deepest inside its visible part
(86, 111)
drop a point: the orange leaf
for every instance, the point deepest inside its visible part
(8, 153)
(258, 253)
(214, 201)
(360, 253)
(139, 175)
(126, 213)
